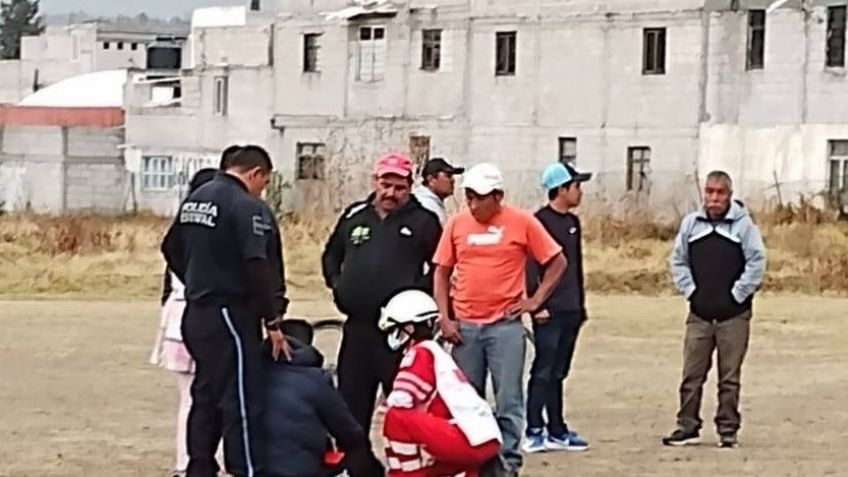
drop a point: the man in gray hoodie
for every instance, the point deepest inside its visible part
(717, 264)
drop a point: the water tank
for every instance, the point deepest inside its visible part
(164, 55)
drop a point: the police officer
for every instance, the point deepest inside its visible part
(275, 242)
(380, 246)
(218, 247)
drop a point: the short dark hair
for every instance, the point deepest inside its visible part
(228, 153)
(553, 193)
(300, 330)
(249, 157)
(201, 177)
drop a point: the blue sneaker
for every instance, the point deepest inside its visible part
(534, 441)
(567, 441)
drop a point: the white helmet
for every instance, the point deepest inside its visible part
(408, 307)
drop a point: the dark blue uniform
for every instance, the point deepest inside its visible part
(219, 246)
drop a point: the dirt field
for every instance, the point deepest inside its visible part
(78, 398)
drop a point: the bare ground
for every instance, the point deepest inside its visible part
(78, 398)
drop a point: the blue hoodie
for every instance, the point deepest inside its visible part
(718, 265)
(303, 410)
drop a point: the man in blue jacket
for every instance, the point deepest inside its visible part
(718, 264)
(307, 410)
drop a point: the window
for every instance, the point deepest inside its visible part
(431, 50)
(134, 46)
(568, 150)
(638, 168)
(106, 45)
(838, 158)
(311, 161)
(419, 149)
(120, 45)
(835, 54)
(755, 57)
(310, 52)
(372, 53)
(157, 173)
(221, 95)
(653, 51)
(505, 42)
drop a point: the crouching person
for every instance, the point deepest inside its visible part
(304, 410)
(436, 425)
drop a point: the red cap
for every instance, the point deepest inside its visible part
(394, 163)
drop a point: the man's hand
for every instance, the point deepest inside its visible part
(450, 331)
(542, 317)
(526, 305)
(279, 345)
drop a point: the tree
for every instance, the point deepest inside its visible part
(17, 18)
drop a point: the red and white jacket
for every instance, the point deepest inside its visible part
(429, 380)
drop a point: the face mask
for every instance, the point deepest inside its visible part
(396, 339)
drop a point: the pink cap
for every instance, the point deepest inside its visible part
(394, 163)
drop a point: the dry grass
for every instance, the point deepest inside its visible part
(108, 257)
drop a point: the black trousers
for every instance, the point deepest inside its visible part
(554, 342)
(365, 364)
(227, 392)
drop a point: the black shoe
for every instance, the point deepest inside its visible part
(681, 438)
(728, 441)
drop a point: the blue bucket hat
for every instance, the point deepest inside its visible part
(559, 174)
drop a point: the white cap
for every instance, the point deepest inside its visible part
(483, 179)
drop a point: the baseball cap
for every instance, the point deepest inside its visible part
(394, 163)
(483, 179)
(559, 174)
(437, 165)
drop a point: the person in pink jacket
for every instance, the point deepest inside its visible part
(170, 352)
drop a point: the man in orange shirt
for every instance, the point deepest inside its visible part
(485, 249)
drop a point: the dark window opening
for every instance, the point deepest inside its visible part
(755, 58)
(431, 50)
(505, 43)
(835, 49)
(653, 51)
(310, 52)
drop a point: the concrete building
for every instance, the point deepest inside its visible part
(71, 50)
(649, 95)
(61, 151)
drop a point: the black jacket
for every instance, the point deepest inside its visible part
(306, 410)
(218, 246)
(367, 260)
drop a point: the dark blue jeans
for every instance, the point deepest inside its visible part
(554, 342)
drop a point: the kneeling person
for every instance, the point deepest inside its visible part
(305, 410)
(436, 424)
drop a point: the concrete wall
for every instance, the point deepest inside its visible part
(795, 158)
(248, 45)
(11, 82)
(193, 136)
(54, 169)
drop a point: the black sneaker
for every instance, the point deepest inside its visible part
(728, 441)
(680, 438)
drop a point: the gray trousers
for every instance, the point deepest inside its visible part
(498, 349)
(730, 339)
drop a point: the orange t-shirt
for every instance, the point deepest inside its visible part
(489, 260)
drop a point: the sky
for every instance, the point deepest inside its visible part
(153, 8)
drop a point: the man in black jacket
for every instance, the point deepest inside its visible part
(379, 246)
(275, 238)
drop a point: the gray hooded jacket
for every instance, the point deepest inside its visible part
(718, 265)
